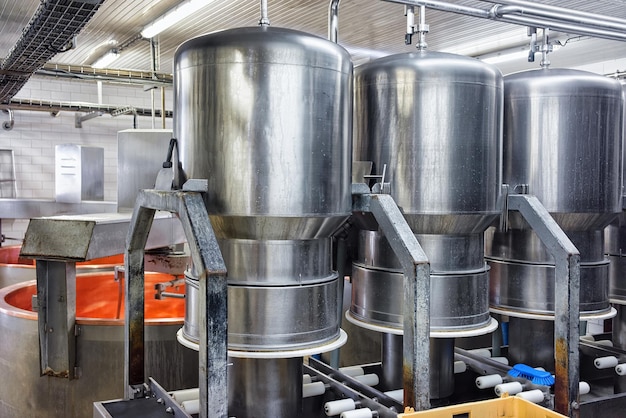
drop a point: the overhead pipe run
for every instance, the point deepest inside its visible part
(534, 16)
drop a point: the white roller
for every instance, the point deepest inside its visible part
(605, 362)
(511, 388)
(352, 371)
(357, 413)
(534, 395)
(181, 396)
(306, 378)
(397, 394)
(313, 389)
(337, 407)
(370, 379)
(620, 369)
(583, 388)
(459, 367)
(587, 338)
(502, 360)
(489, 381)
(191, 406)
(483, 352)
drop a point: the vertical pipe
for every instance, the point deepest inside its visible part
(265, 20)
(442, 367)
(391, 355)
(162, 107)
(265, 387)
(333, 20)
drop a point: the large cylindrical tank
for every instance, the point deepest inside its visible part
(432, 122)
(563, 144)
(264, 115)
(99, 348)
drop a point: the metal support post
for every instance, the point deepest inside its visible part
(56, 299)
(209, 264)
(416, 304)
(566, 299)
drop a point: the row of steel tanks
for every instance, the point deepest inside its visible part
(448, 131)
(264, 115)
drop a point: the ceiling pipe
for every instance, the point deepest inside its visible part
(58, 106)
(558, 12)
(333, 20)
(265, 20)
(557, 24)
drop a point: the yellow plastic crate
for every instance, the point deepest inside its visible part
(508, 407)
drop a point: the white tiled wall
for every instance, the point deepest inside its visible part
(35, 134)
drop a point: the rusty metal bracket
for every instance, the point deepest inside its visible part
(209, 264)
(416, 304)
(566, 299)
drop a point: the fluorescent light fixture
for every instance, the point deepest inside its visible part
(172, 17)
(106, 59)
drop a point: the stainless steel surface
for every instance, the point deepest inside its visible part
(273, 140)
(78, 173)
(99, 358)
(189, 206)
(140, 156)
(423, 115)
(264, 168)
(34, 208)
(458, 301)
(265, 387)
(557, 142)
(278, 262)
(257, 319)
(442, 364)
(85, 237)
(391, 362)
(525, 287)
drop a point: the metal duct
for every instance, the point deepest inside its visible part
(50, 30)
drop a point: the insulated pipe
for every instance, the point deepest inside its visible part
(333, 20)
(557, 25)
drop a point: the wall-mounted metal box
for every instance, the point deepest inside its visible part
(140, 156)
(79, 173)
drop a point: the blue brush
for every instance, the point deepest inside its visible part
(538, 377)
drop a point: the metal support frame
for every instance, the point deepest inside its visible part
(566, 299)
(416, 303)
(79, 119)
(56, 299)
(208, 263)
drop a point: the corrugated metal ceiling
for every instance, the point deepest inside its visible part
(367, 28)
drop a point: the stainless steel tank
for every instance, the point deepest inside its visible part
(264, 114)
(99, 349)
(562, 143)
(435, 121)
